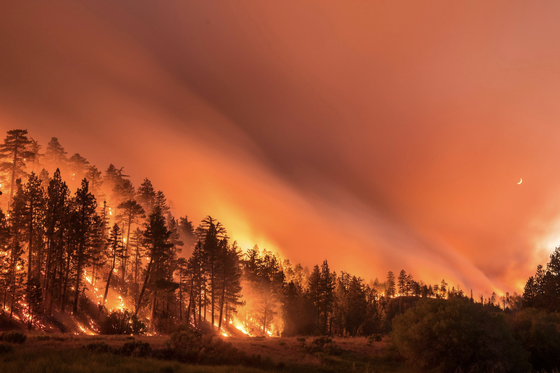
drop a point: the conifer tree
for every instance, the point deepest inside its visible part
(390, 285)
(115, 249)
(229, 281)
(95, 178)
(5, 251)
(56, 215)
(16, 269)
(157, 274)
(34, 200)
(401, 282)
(83, 218)
(214, 238)
(146, 196)
(131, 211)
(15, 151)
(78, 167)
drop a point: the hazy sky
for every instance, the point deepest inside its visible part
(380, 135)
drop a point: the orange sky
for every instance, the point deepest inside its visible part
(380, 135)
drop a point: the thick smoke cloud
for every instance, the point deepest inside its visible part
(378, 135)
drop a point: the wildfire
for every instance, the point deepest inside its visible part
(241, 326)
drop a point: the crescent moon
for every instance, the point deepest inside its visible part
(520, 181)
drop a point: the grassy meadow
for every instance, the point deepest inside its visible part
(73, 353)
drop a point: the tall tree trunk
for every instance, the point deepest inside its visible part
(148, 272)
(213, 290)
(65, 284)
(109, 276)
(223, 295)
(126, 246)
(78, 279)
(13, 177)
(30, 251)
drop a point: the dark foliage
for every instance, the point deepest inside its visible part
(446, 335)
(323, 345)
(539, 335)
(6, 348)
(13, 337)
(121, 322)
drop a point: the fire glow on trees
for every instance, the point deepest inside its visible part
(64, 251)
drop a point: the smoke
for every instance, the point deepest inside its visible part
(379, 136)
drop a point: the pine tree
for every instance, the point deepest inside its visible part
(95, 178)
(55, 155)
(157, 276)
(16, 270)
(390, 284)
(443, 288)
(78, 166)
(213, 237)
(5, 251)
(15, 151)
(146, 196)
(186, 230)
(131, 211)
(327, 285)
(84, 212)
(402, 282)
(357, 306)
(229, 281)
(34, 197)
(197, 296)
(116, 250)
(56, 215)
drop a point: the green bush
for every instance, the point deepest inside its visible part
(456, 334)
(13, 337)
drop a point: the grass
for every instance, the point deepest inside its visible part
(81, 361)
(66, 353)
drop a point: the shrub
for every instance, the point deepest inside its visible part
(374, 338)
(13, 337)
(539, 335)
(324, 345)
(448, 335)
(5, 348)
(136, 348)
(189, 346)
(121, 322)
(99, 347)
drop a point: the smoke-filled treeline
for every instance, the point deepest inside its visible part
(77, 240)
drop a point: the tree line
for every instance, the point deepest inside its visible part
(69, 228)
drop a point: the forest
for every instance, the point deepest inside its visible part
(85, 251)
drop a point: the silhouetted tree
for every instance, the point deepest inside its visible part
(131, 212)
(83, 218)
(115, 250)
(390, 284)
(15, 151)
